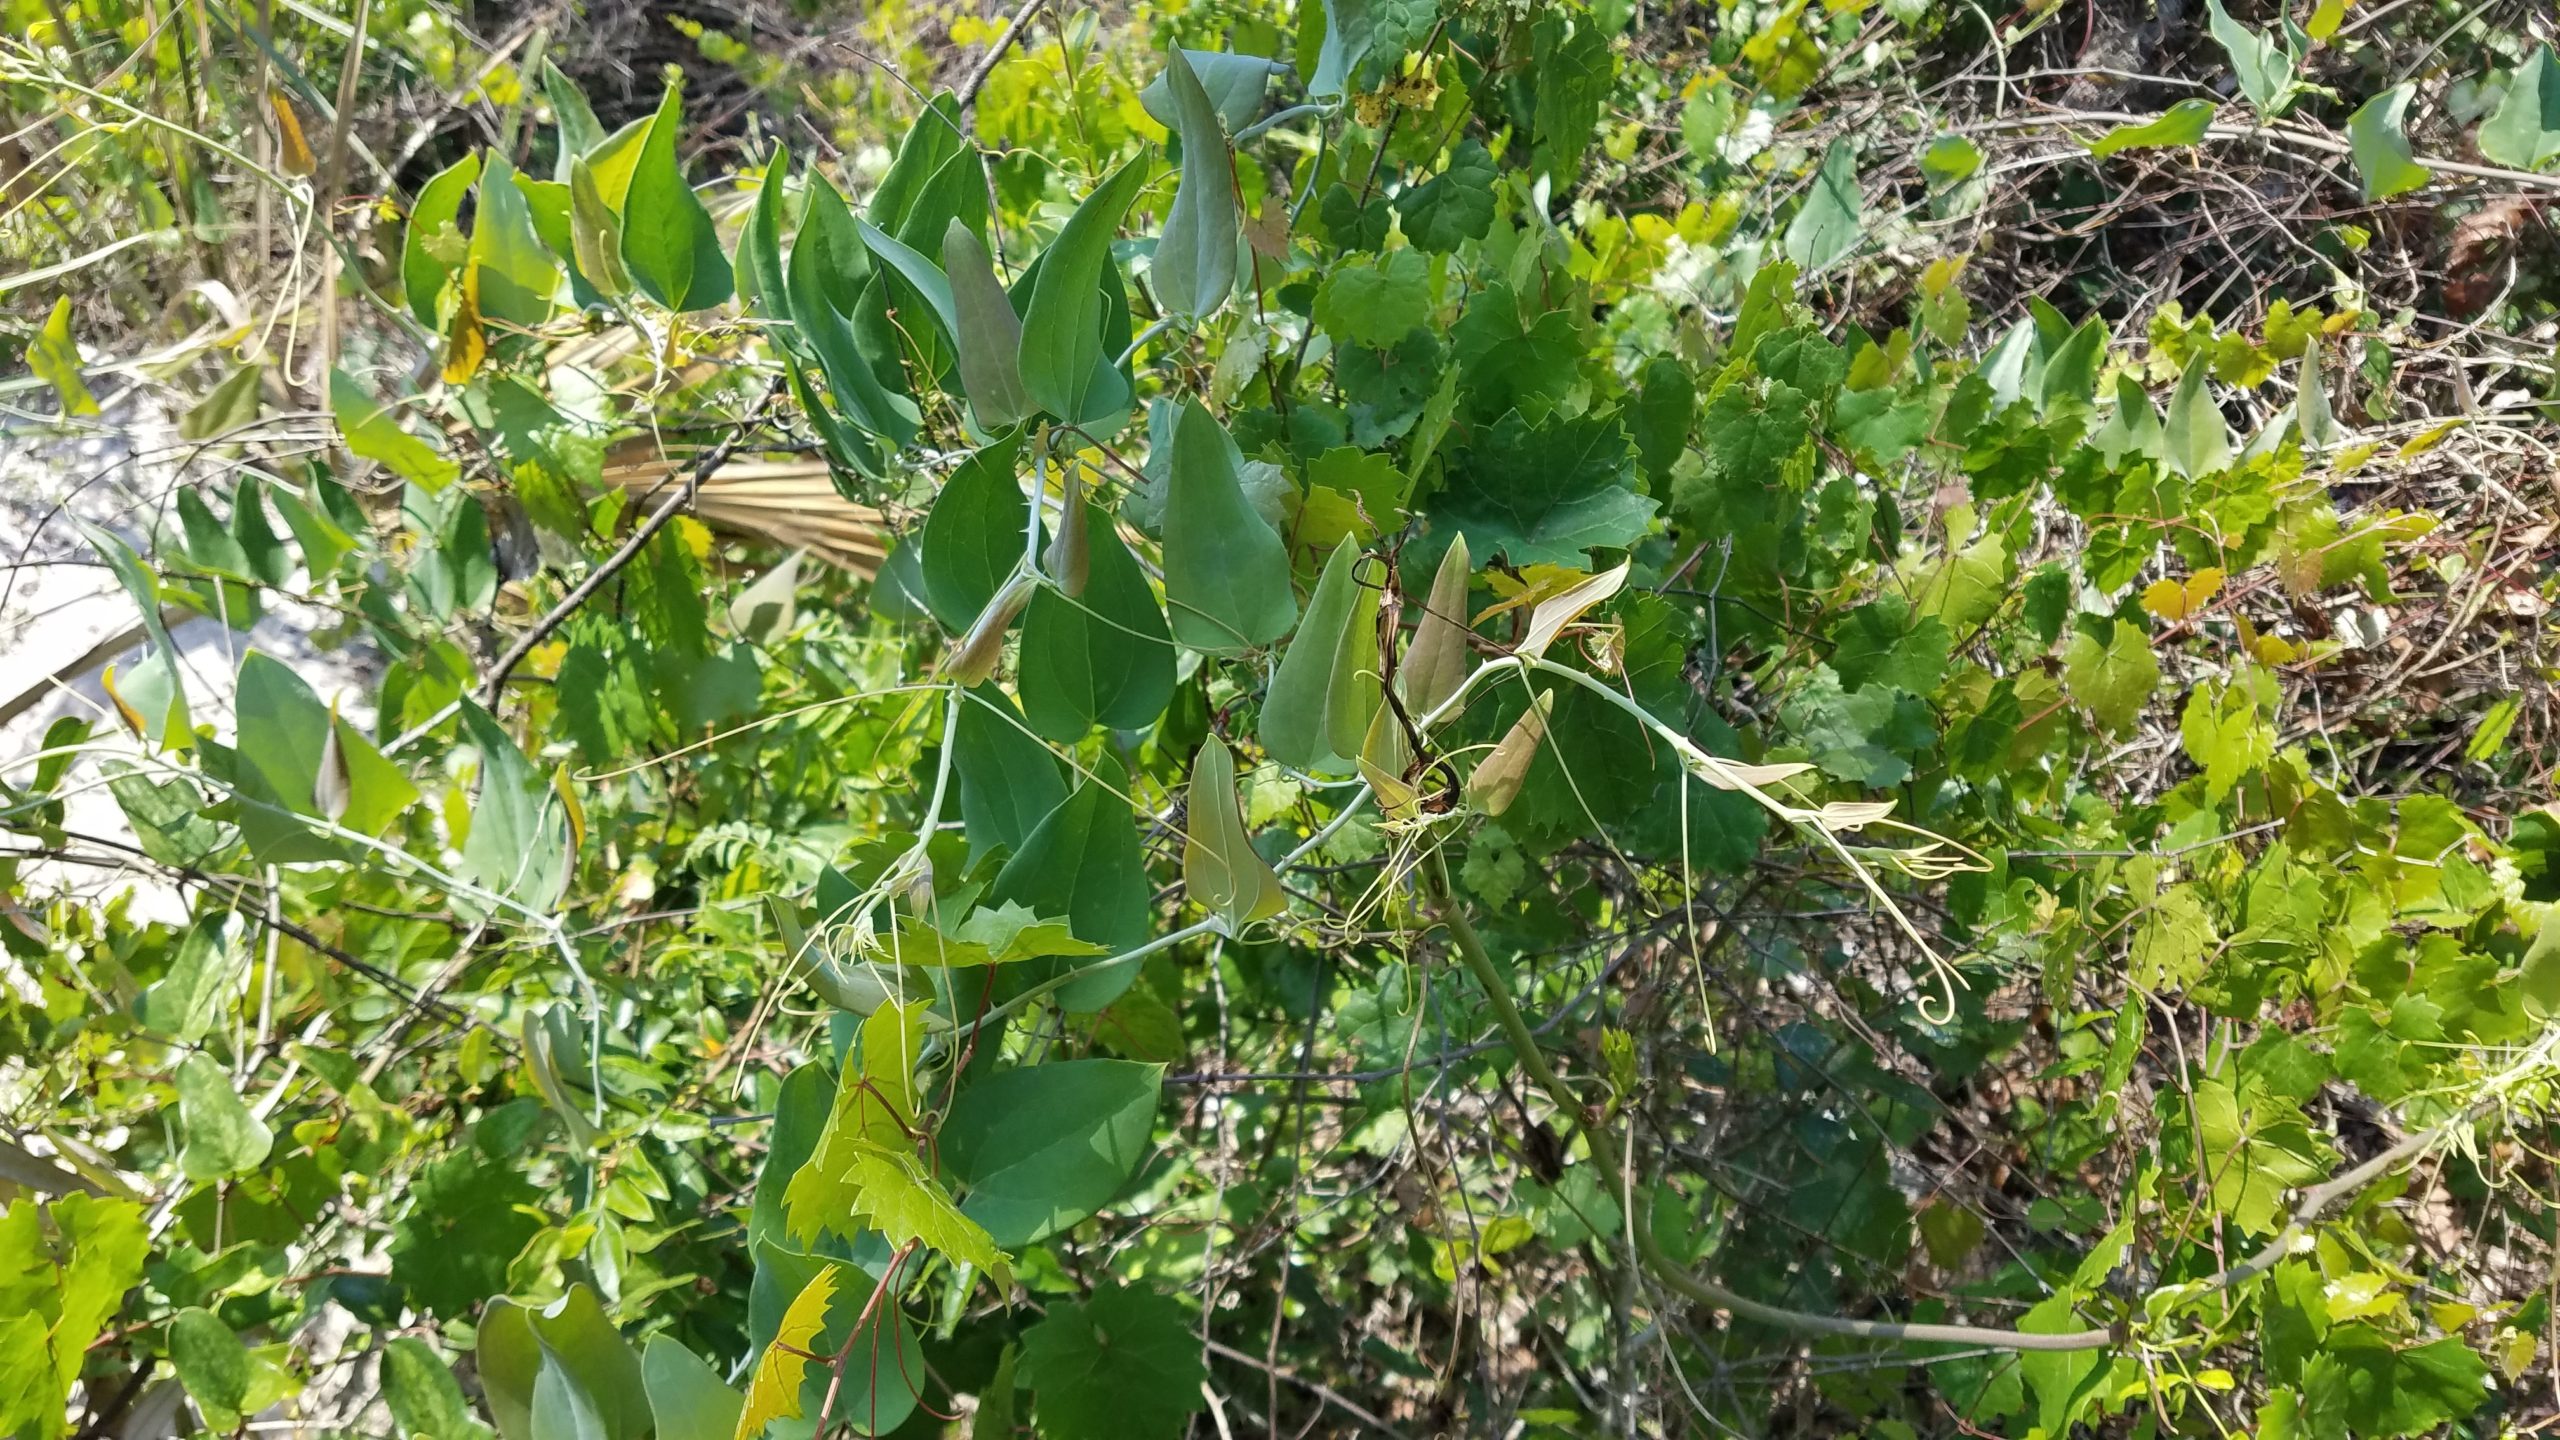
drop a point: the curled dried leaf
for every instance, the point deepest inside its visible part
(1497, 780)
(1435, 665)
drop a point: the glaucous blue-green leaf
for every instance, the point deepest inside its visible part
(1082, 862)
(1329, 651)
(1195, 260)
(1103, 657)
(1221, 872)
(987, 331)
(519, 841)
(2378, 135)
(921, 275)
(669, 244)
(828, 265)
(1831, 225)
(1063, 368)
(222, 1137)
(973, 536)
(1234, 84)
(1038, 1148)
(572, 116)
(517, 274)
(1226, 571)
(687, 1399)
(205, 975)
(930, 144)
(761, 277)
(2264, 68)
(2193, 434)
(2524, 131)
(1009, 781)
(291, 754)
(564, 1362)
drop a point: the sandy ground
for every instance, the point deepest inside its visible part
(57, 603)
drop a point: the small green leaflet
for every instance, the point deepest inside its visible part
(1950, 160)
(1195, 261)
(1831, 225)
(992, 935)
(2181, 124)
(2524, 131)
(1226, 572)
(2378, 135)
(1063, 368)
(1220, 870)
(668, 241)
(55, 359)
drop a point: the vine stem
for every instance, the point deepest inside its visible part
(1533, 1060)
(710, 460)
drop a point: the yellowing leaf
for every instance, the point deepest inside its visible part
(465, 343)
(296, 150)
(56, 361)
(2430, 439)
(774, 1393)
(2174, 600)
(908, 1206)
(1552, 616)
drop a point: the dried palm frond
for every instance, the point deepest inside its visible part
(791, 503)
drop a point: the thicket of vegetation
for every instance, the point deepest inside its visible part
(1385, 717)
